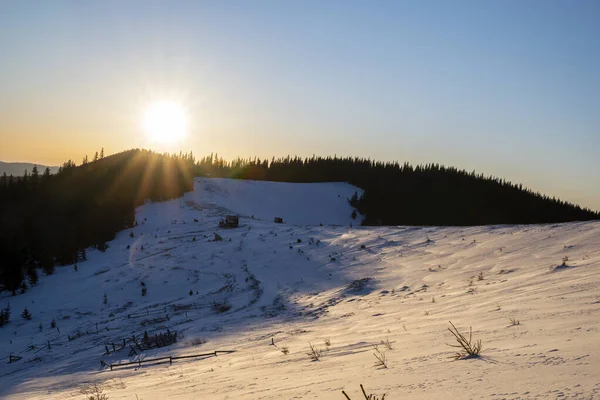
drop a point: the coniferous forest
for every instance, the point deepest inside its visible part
(48, 220)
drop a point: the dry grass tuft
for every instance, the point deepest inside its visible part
(367, 396)
(381, 359)
(314, 353)
(387, 344)
(196, 342)
(469, 349)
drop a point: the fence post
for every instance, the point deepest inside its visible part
(170, 360)
(49, 347)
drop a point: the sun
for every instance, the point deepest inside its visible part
(165, 122)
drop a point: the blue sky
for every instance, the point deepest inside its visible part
(509, 88)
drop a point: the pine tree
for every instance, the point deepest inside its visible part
(35, 177)
(47, 264)
(5, 315)
(26, 314)
(32, 275)
(102, 153)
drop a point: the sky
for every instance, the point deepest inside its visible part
(507, 88)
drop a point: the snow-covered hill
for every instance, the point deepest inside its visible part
(298, 283)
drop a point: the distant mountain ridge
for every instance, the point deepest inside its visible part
(18, 168)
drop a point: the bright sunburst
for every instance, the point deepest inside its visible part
(165, 122)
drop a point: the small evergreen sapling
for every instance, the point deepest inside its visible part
(33, 276)
(26, 314)
(5, 315)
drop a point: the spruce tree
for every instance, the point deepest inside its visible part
(5, 315)
(26, 314)
(32, 275)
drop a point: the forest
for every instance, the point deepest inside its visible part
(51, 219)
(48, 220)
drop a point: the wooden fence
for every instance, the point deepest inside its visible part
(170, 359)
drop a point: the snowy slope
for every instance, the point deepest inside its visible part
(302, 282)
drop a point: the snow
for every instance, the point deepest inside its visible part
(301, 282)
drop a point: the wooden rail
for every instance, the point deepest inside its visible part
(170, 359)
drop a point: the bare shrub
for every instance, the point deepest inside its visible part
(327, 343)
(285, 350)
(221, 306)
(381, 359)
(469, 349)
(514, 321)
(196, 341)
(387, 343)
(480, 276)
(367, 396)
(94, 392)
(314, 353)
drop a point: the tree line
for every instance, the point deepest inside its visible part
(403, 194)
(48, 220)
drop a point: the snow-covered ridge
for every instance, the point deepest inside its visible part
(301, 282)
(296, 203)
